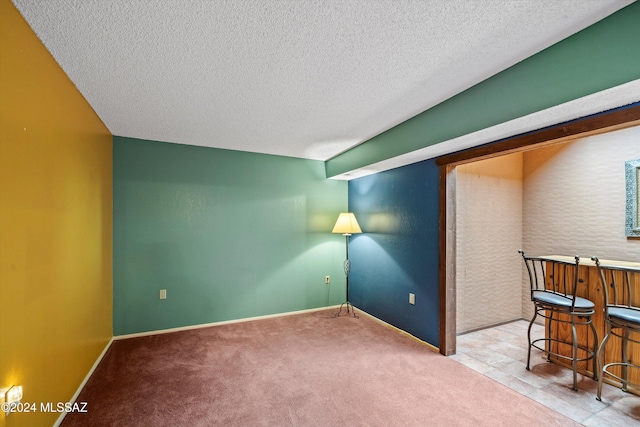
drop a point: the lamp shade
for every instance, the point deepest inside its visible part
(346, 224)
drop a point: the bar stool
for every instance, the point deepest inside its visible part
(554, 298)
(622, 318)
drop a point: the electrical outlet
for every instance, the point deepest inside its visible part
(163, 294)
(327, 280)
(412, 299)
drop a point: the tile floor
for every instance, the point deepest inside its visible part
(500, 353)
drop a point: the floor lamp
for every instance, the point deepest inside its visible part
(346, 225)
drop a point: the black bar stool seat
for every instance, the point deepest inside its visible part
(560, 300)
(554, 284)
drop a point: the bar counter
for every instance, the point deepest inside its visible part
(591, 288)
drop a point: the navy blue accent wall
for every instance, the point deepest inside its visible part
(397, 253)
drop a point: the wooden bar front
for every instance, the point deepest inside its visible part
(591, 289)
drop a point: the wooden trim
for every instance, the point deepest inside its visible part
(446, 264)
(429, 346)
(579, 128)
(604, 122)
(442, 261)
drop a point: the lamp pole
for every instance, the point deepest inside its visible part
(347, 268)
(347, 225)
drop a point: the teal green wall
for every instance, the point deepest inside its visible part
(601, 56)
(228, 234)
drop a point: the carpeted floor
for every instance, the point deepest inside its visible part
(300, 370)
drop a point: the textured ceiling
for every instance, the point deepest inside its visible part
(301, 78)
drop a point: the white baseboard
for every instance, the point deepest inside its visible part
(224, 322)
(86, 378)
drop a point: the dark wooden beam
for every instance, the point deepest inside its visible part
(579, 128)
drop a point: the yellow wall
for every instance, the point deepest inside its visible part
(55, 225)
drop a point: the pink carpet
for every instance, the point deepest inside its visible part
(301, 370)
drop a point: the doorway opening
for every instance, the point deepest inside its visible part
(459, 169)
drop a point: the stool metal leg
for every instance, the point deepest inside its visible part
(596, 373)
(625, 359)
(549, 335)
(574, 362)
(535, 314)
(601, 361)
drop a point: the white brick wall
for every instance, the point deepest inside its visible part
(488, 235)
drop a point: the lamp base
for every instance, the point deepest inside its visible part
(347, 304)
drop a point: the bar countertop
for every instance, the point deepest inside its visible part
(586, 261)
